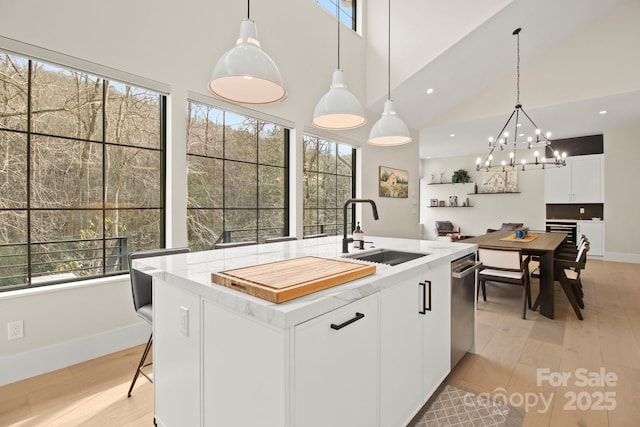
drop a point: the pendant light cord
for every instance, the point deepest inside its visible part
(248, 8)
(389, 56)
(516, 32)
(338, 18)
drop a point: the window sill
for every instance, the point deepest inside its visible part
(19, 293)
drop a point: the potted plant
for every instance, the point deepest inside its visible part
(460, 176)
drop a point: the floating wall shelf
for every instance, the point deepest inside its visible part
(498, 192)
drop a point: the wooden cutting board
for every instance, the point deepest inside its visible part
(284, 280)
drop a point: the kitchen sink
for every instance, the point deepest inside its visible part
(386, 256)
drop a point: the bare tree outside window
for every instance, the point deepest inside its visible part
(81, 179)
(237, 177)
(328, 181)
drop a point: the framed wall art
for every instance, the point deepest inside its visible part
(393, 182)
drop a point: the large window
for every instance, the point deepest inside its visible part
(81, 173)
(329, 180)
(238, 177)
(347, 10)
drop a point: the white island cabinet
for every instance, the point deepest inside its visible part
(415, 343)
(365, 353)
(336, 367)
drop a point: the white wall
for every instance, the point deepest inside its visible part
(172, 47)
(621, 195)
(488, 210)
(66, 325)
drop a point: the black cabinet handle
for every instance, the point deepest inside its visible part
(348, 322)
(426, 296)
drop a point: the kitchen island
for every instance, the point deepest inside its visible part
(365, 353)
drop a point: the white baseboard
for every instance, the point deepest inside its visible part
(46, 359)
(622, 257)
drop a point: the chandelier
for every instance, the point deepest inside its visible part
(526, 136)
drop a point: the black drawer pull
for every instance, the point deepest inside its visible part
(348, 322)
(426, 296)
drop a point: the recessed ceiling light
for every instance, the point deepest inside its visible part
(429, 91)
(521, 134)
(603, 112)
(519, 124)
(452, 134)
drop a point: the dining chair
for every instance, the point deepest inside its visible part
(569, 250)
(505, 266)
(141, 289)
(446, 227)
(567, 273)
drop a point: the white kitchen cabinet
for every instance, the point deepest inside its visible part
(176, 356)
(414, 342)
(580, 181)
(594, 230)
(253, 371)
(336, 367)
(436, 333)
(401, 362)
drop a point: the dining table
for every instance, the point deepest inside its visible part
(541, 244)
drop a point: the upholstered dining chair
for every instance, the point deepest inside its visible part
(446, 227)
(505, 266)
(567, 273)
(143, 303)
(506, 226)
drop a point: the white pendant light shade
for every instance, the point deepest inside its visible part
(389, 129)
(338, 109)
(246, 74)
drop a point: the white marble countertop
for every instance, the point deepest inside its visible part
(192, 272)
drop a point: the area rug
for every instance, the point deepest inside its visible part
(452, 405)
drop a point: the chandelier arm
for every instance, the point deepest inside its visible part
(544, 137)
(506, 124)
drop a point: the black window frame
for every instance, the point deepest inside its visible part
(227, 233)
(121, 266)
(312, 229)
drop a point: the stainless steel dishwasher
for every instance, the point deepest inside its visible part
(463, 298)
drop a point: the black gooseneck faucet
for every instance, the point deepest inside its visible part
(345, 241)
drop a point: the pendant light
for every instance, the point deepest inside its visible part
(338, 109)
(389, 129)
(245, 74)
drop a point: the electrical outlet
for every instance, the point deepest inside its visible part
(15, 329)
(581, 210)
(184, 321)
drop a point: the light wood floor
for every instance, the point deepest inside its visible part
(509, 351)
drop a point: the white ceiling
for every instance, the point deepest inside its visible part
(578, 57)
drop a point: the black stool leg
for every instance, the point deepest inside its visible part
(141, 364)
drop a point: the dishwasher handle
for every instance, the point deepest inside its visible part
(468, 271)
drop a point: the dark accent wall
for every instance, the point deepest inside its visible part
(580, 146)
(572, 211)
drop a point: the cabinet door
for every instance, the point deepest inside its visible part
(401, 362)
(176, 355)
(336, 367)
(586, 179)
(594, 230)
(436, 327)
(557, 184)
